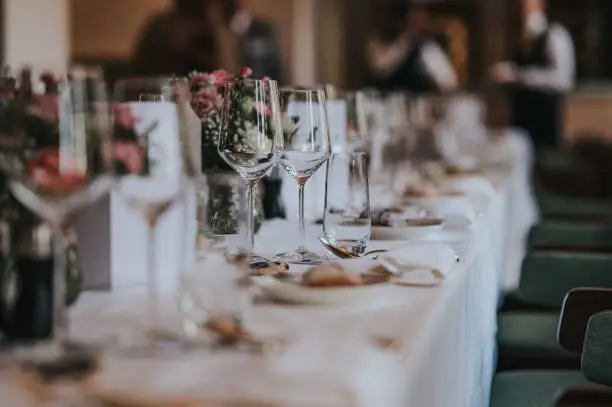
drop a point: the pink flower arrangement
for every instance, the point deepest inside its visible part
(207, 101)
(206, 97)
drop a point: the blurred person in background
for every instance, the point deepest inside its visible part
(258, 46)
(193, 35)
(539, 74)
(258, 49)
(403, 56)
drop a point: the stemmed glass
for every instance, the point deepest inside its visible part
(400, 141)
(54, 155)
(250, 135)
(307, 147)
(153, 166)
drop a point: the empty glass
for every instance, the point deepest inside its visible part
(307, 146)
(250, 135)
(153, 166)
(347, 219)
(214, 297)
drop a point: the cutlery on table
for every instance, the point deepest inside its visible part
(344, 253)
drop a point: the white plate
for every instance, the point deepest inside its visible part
(298, 294)
(422, 229)
(434, 200)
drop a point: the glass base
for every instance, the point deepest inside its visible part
(302, 256)
(148, 342)
(57, 359)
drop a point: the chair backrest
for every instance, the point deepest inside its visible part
(579, 306)
(597, 352)
(571, 235)
(547, 277)
(558, 206)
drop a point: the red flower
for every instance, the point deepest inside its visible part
(123, 116)
(262, 108)
(130, 154)
(45, 174)
(198, 79)
(205, 101)
(220, 77)
(245, 72)
(47, 78)
(8, 94)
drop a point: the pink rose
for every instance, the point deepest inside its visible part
(205, 101)
(123, 116)
(199, 79)
(220, 77)
(262, 108)
(246, 72)
(130, 154)
(266, 78)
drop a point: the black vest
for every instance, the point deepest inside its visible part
(410, 75)
(538, 111)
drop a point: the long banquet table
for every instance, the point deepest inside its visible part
(446, 334)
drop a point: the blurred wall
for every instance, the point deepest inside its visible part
(36, 33)
(107, 29)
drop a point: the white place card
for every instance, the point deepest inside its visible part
(112, 236)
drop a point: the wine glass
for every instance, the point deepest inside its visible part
(153, 166)
(399, 142)
(358, 129)
(250, 135)
(53, 156)
(307, 147)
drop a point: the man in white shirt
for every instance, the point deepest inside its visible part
(408, 60)
(540, 73)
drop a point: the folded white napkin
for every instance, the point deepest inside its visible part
(457, 212)
(423, 263)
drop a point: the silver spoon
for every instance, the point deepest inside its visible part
(344, 253)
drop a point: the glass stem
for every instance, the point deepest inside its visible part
(152, 274)
(301, 222)
(250, 227)
(60, 319)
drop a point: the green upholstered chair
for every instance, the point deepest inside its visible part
(566, 388)
(537, 388)
(528, 339)
(560, 207)
(597, 352)
(571, 236)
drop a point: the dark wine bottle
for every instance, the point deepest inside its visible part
(272, 200)
(27, 285)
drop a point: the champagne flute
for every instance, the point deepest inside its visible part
(250, 135)
(307, 146)
(53, 155)
(153, 166)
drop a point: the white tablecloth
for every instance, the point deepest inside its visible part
(447, 332)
